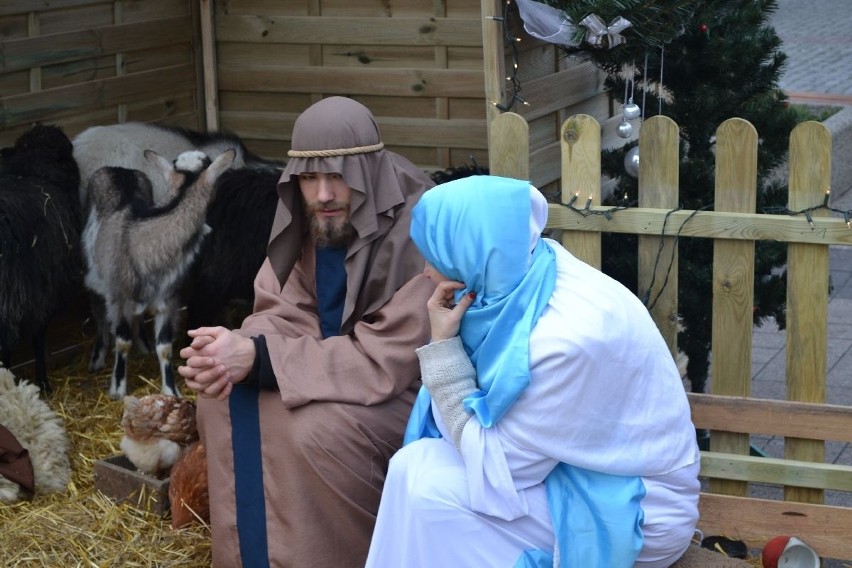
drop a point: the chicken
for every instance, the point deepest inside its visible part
(158, 430)
(188, 495)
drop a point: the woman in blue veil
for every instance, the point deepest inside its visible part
(552, 428)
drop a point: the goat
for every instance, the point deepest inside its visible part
(124, 145)
(138, 252)
(241, 218)
(40, 262)
(240, 215)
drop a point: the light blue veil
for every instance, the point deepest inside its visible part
(477, 230)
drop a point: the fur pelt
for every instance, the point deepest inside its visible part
(38, 429)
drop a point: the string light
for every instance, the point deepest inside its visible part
(847, 215)
(514, 96)
(645, 300)
(586, 211)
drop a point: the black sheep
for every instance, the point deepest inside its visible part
(40, 224)
(241, 218)
(457, 172)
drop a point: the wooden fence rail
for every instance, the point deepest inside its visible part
(729, 411)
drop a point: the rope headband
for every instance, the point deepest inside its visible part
(336, 152)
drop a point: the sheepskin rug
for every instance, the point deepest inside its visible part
(39, 430)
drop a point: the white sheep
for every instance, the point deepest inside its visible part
(40, 431)
(124, 145)
(138, 252)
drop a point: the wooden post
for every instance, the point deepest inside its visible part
(208, 55)
(659, 167)
(34, 29)
(807, 291)
(509, 146)
(494, 60)
(120, 68)
(580, 140)
(733, 283)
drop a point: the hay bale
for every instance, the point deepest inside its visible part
(81, 526)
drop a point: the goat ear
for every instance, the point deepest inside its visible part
(163, 164)
(220, 164)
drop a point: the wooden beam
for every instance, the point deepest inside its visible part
(778, 471)
(208, 58)
(771, 417)
(396, 131)
(330, 30)
(716, 224)
(55, 48)
(357, 81)
(824, 528)
(47, 104)
(10, 7)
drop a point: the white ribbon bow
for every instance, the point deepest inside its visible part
(598, 31)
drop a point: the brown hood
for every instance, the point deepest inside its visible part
(340, 135)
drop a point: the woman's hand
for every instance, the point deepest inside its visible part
(445, 316)
(215, 360)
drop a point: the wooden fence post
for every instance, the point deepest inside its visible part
(733, 283)
(580, 140)
(807, 291)
(659, 166)
(509, 146)
(493, 54)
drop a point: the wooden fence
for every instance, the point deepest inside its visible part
(804, 420)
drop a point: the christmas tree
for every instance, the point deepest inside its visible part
(726, 63)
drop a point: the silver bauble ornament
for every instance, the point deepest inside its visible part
(625, 129)
(631, 162)
(631, 110)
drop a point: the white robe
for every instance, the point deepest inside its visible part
(604, 395)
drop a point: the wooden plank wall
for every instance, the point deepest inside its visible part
(419, 65)
(78, 63)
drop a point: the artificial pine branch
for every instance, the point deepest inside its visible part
(725, 64)
(653, 23)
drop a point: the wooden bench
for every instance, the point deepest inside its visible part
(827, 529)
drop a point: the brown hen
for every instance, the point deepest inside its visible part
(188, 495)
(158, 430)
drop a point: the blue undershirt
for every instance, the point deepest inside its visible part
(331, 288)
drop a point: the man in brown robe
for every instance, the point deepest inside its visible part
(301, 408)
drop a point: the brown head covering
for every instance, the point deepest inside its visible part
(340, 135)
(15, 464)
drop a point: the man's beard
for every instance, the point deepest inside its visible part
(333, 232)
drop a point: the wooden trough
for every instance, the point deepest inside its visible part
(118, 479)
